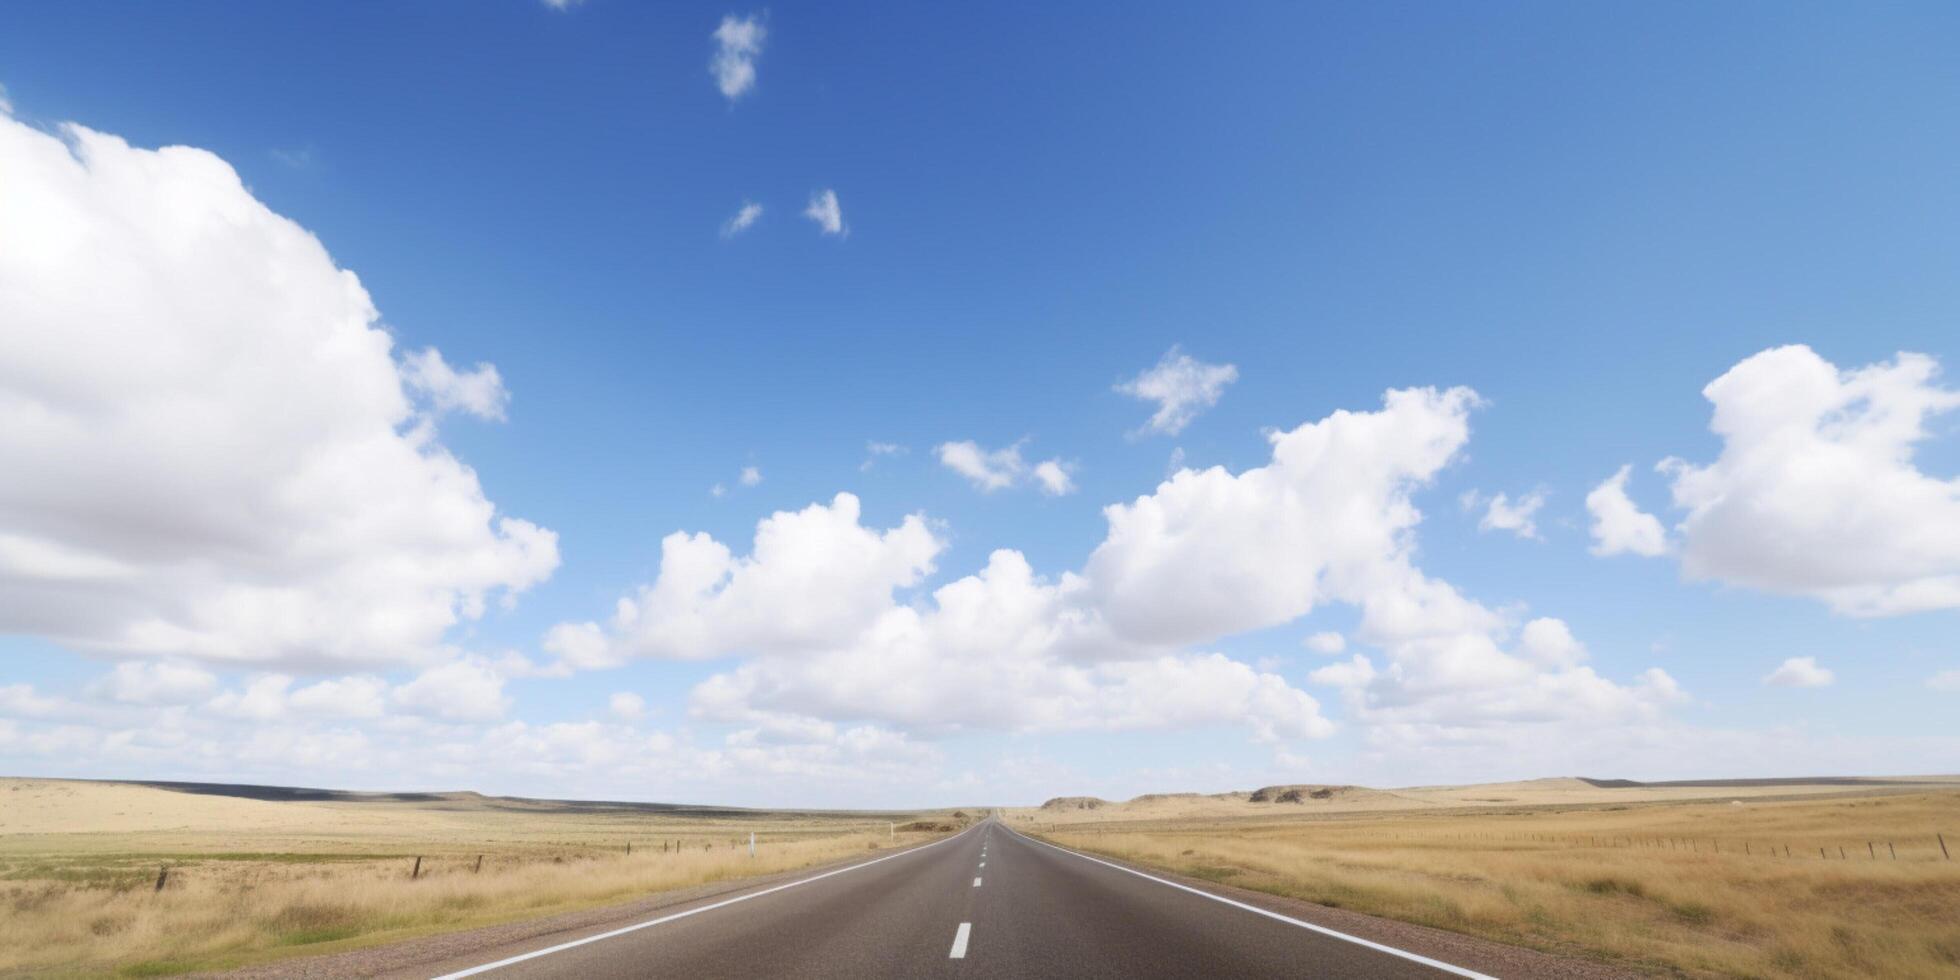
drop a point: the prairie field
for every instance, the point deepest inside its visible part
(1822, 881)
(248, 880)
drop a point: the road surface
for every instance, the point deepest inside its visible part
(987, 902)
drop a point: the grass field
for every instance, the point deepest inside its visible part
(251, 880)
(1742, 884)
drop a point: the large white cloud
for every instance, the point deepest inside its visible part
(816, 577)
(1005, 650)
(1212, 553)
(1816, 492)
(210, 448)
(346, 732)
(1209, 554)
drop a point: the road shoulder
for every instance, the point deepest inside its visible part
(426, 956)
(1470, 952)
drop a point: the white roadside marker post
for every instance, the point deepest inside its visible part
(751, 843)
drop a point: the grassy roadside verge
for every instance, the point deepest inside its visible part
(86, 904)
(1764, 889)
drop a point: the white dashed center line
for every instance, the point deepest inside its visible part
(959, 942)
(976, 882)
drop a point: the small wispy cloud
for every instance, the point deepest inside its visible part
(1053, 477)
(1501, 513)
(751, 476)
(749, 214)
(298, 158)
(562, 4)
(998, 469)
(738, 43)
(873, 450)
(825, 211)
(1182, 386)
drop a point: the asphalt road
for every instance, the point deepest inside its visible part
(985, 903)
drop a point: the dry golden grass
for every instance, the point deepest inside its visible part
(1680, 888)
(1532, 792)
(252, 880)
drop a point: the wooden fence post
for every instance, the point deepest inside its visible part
(163, 874)
(479, 864)
(417, 871)
(1943, 850)
(1894, 850)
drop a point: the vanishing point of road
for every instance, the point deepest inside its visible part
(986, 902)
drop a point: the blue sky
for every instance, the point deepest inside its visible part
(1585, 215)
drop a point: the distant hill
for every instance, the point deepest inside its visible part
(1076, 803)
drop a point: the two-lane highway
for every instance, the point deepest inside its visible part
(987, 902)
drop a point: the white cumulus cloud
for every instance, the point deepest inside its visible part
(1182, 386)
(358, 696)
(1800, 672)
(211, 450)
(1815, 491)
(461, 690)
(814, 576)
(1209, 554)
(626, 705)
(1327, 643)
(1618, 524)
(1052, 475)
(155, 682)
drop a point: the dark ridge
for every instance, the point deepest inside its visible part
(1744, 783)
(473, 800)
(290, 793)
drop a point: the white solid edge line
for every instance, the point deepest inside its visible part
(534, 954)
(959, 942)
(1268, 913)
